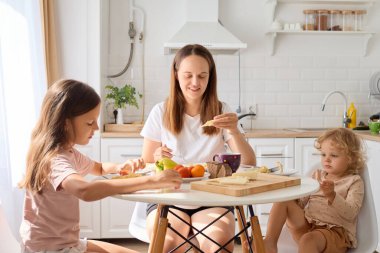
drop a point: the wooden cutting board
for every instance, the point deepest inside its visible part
(265, 182)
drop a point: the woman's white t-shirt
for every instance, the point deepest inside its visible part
(191, 145)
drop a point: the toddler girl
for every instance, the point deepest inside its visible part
(326, 220)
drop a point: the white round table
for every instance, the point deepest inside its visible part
(186, 196)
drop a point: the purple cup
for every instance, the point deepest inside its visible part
(232, 159)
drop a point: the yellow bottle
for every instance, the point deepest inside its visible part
(351, 112)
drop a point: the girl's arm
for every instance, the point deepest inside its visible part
(107, 168)
(99, 189)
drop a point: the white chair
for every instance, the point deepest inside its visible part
(366, 233)
(8, 243)
(137, 226)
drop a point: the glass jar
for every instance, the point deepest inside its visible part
(335, 23)
(309, 20)
(348, 20)
(359, 19)
(322, 19)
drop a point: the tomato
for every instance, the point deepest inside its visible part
(178, 166)
(124, 172)
(184, 172)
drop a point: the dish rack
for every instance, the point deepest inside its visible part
(374, 85)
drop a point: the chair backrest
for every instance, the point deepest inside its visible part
(137, 226)
(367, 234)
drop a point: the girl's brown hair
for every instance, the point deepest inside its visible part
(175, 103)
(65, 99)
(348, 142)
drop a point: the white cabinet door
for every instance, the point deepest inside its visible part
(115, 213)
(270, 150)
(89, 220)
(306, 155)
(373, 163)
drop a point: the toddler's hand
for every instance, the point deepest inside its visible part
(327, 187)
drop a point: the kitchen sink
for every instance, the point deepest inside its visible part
(307, 129)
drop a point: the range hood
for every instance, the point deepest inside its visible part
(202, 27)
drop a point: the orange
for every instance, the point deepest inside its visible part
(198, 171)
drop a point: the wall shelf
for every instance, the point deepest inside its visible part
(366, 36)
(273, 4)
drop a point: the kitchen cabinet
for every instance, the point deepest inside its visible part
(271, 150)
(115, 213)
(373, 161)
(307, 156)
(89, 220)
(320, 4)
(268, 152)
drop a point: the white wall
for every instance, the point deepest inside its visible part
(288, 86)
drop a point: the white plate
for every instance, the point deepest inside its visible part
(191, 179)
(285, 173)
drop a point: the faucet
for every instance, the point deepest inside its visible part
(245, 115)
(346, 118)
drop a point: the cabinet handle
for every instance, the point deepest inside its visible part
(264, 213)
(273, 154)
(318, 154)
(129, 155)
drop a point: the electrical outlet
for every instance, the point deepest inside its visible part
(252, 108)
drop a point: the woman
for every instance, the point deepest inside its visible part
(174, 129)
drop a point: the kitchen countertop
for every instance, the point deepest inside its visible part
(258, 133)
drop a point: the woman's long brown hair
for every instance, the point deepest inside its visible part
(65, 99)
(175, 103)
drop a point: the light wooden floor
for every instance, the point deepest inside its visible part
(143, 247)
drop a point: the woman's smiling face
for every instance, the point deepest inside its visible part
(193, 76)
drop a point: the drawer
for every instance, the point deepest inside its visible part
(120, 149)
(272, 147)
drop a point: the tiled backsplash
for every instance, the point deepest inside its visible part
(287, 88)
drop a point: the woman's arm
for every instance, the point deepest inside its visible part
(149, 148)
(237, 143)
(98, 189)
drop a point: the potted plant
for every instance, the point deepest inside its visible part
(126, 95)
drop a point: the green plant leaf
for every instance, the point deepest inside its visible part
(123, 96)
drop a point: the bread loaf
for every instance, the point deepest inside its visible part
(217, 169)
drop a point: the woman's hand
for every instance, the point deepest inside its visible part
(168, 179)
(162, 152)
(131, 165)
(227, 121)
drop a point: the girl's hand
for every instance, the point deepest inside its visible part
(227, 121)
(168, 179)
(162, 152)
(131, 165)
(327, 187)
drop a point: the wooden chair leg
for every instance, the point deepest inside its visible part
(257, 241)
(159, 231)
(241, 223)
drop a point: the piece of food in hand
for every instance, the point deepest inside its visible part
(165, 164)
(198, 171)
(251, 175)
(130, 175)
(238, 180)
(208, 123)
